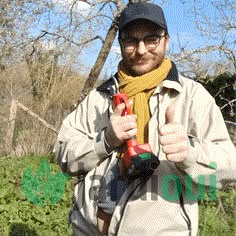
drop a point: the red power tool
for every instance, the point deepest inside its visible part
(138, 158)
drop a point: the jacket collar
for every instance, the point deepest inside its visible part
(109, 87)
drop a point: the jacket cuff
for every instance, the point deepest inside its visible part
(101, 146)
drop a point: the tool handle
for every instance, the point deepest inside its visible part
(122, 98)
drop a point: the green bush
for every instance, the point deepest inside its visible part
(19, 217)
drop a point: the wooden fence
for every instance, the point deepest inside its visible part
(12, 122)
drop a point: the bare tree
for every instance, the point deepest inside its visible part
(17, 18)
(50, 38)
(213, 64)
(103, 54)
(215, 20)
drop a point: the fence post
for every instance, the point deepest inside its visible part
(11, 127)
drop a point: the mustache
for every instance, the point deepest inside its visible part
(139, 58)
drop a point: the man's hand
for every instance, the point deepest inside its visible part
(120, 128)
(173, 138)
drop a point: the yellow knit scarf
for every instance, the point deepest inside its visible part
(139, 89)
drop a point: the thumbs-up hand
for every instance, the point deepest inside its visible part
(173, 138)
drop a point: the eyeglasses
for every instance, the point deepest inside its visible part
(151, 42)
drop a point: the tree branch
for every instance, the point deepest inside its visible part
(70, 40)
(228, 104)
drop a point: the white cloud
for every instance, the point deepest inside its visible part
(80, 7)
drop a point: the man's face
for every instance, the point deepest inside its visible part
(141, 59)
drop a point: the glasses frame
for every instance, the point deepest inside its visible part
(144, 39)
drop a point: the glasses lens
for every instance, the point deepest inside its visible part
(129, 43)
(152, 42)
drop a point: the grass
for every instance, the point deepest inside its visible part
(218, 218)
(19, 217)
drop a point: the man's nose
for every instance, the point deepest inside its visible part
(141, 48)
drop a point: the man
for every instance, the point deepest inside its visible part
(174, 115)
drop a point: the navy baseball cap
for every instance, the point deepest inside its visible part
(145, 11)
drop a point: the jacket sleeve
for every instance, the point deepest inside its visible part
(80, 144)
(211, 151)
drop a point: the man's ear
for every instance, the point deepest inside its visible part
(167, 40)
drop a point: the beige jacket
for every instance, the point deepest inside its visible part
(152, 207)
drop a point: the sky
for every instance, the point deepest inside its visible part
(181, 27)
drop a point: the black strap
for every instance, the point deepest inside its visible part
(181, 200)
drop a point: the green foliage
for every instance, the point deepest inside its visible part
(18, 216)
(218, 217)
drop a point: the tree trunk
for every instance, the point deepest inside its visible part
(102, 56)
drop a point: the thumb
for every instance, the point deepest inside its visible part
(119, 109)
(170, 113)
